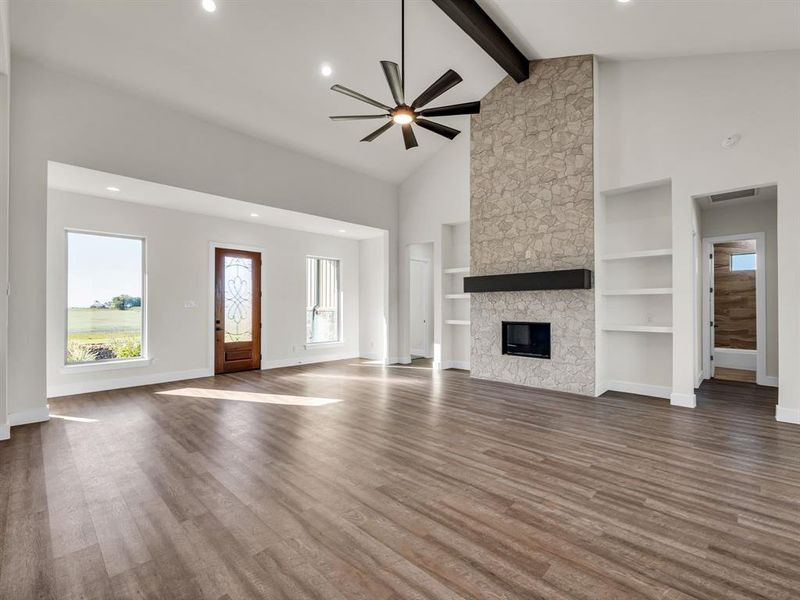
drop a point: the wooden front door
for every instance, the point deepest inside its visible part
(237, 311)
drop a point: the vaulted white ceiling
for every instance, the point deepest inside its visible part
(254, 65)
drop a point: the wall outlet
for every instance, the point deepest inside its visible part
(190, 304)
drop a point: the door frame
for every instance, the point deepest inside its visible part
(761, 298)
(428, 308)
(212, 269)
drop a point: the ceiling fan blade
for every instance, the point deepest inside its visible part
(409, 138)
(392, 72)
(348, 92)
(444, 130)
(378, 132)
(467, 108)
(437, 88)
(357, 117)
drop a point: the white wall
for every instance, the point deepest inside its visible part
(435, 195)
(179, 270)
(666, 119)
(4, 232)
(57, 116)
(751, 218)
(372, 299)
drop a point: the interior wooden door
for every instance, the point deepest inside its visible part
(237, 314)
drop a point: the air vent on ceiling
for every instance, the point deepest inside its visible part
(733, 195)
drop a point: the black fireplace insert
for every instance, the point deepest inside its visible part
(526, 339)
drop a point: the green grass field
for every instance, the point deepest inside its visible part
(98, 325)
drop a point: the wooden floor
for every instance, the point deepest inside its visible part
(351, 480)
(742, 375)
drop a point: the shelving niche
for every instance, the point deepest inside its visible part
(634, 279)
(455, 303)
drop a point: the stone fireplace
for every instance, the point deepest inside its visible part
(532, 209)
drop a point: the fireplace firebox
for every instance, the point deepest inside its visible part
(526, 339)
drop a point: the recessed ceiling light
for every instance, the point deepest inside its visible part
(623, 1)
(111, 188)
(254, 214)
(343, 231)
(209, 5)
(326, 70)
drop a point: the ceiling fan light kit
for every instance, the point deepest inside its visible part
(404, 114)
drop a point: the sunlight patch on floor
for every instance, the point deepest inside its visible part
(258, 398)
(76, 419)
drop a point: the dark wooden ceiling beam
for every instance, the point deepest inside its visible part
(474, 21)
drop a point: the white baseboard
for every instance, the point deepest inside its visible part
(768, 380)
(371, 356)
(643, 389)
(787, 415)
(33, 415)
(735, 358)
(456, 364)
(393, 360)
(684, 400)
(5, 431)
(101, 385)
(307, 360)
(403, 360)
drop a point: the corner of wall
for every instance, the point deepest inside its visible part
(33, 415)
(684, 400)
(787, 415)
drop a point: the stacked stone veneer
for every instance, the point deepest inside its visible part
(532, 209)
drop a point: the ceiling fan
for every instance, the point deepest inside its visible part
(407, 114)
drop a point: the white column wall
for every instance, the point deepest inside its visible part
(436, 195)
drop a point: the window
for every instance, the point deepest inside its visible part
(743, 262)
(322, 300)
(105, 309)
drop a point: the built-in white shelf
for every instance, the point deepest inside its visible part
(633, 243)
(638, 292)
(638, 328)
(455, 310)
(639, 254)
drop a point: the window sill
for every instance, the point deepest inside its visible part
(105, 366)
(312, 345)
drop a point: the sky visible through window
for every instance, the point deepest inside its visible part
(101, 267)
(743, 262)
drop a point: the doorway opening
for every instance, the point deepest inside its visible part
(420, 269)
(739, 291)
(237, 310)
(733, 306)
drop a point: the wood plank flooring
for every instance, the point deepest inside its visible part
(351, 480)
(742, 375)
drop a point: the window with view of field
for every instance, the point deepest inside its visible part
(105, 280)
